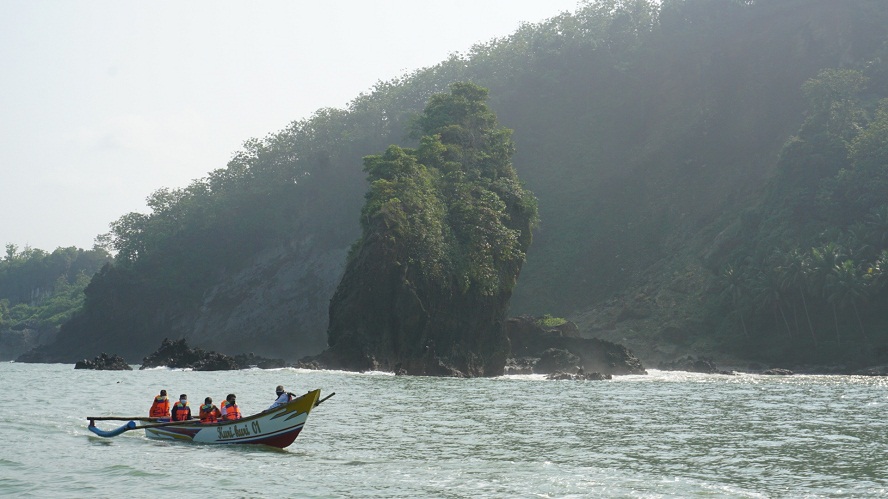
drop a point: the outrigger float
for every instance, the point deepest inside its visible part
(277, 427)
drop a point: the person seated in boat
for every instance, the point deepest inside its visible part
(283, 397)
(230, 410)
(209, 413)
(181, 411)
(160, 408)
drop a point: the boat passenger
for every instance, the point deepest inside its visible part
(230, 410)
(209, 413)
(160, 408)
(181, 411)
(283, 397)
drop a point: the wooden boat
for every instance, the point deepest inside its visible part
(277, 427)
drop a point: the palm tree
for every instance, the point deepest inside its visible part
(819, 266)
(767, 294)
(794, 276)
(859, 236)
(877, 224)
(877, 274)
(845, 286)
(735, 287)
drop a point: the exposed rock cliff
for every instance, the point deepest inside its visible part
(380, 320)
(275, 306)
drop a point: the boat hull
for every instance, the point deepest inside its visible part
(278, 427)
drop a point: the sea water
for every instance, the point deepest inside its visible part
(666, 434)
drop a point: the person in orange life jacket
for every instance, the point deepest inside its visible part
(283, 397)
(160, 408)
(181, 411)
(230, 410)
(209, 413)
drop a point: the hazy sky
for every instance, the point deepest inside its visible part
(103, 102)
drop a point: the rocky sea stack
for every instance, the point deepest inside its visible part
(445, 231)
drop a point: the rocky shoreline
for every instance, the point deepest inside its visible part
(558, 352)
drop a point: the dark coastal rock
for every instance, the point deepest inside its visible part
(535, 348)
(383, 319)
(214, 361)
(530, 337)
(579, 376)
(692, 364)
(104, 362)
(556, 360)
(309, 363)
(778, 372)
(177, 354)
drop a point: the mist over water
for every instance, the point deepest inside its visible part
(667, 434)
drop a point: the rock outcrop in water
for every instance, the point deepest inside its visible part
(561, 348)
(445, 231)
(104, 362)
(178, 354)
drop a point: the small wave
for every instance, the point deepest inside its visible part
(529, 377)
(347, 373)
(125, 470)
(6, 463)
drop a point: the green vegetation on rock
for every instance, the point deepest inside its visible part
(445, 230)
(548, 321)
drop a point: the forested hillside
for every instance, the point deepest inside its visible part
(670, 144)
(39, 291)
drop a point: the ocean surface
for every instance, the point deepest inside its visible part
(667, 434)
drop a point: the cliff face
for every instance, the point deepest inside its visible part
(381, 320)
(275, 305)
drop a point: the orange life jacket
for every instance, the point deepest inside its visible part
(232, 411)
(181, 411)
(160, 408)
(209, 413)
